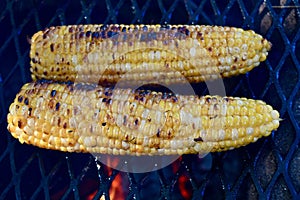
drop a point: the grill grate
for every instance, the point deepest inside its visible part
(266, 169)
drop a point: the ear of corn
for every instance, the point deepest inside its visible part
(106, 54)
(90, 118)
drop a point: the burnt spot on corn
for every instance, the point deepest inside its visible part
(158, 133)
(71, 29)
(213, 117)
(58, 121)
(53, 93)
(88, 34)
(109, 101)
(104, 27)
(69, 131)
(104, 100)
(184, 30)
(136, 122)
(51, 104)
(26, 101)
(34, 60)
(57, 105)
(95, 35)
(65, 125)
(20, 99)
(20, 124)
(170, 131)
(52, 47)
(81, 35)
(29, 111)
(198, 139)
(208, 100)
(103, 124)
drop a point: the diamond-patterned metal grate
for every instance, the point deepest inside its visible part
(268, 169)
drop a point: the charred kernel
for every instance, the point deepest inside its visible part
(110, 34)
(187, 32)
(34, 61)
(104, 27)
(53, 93)
(136, 122)
(20, 99)
(208, 99)
(109, 101)
(103, 34)
(95, 35)
(71, 29)
(88, 34)
(199, 139)
(81, 35)
(104, 124)
(57, 105)
(158, 133)
(29, 111)
(58, 121)
(20, 124)
(52, 47)
(51, 104)
(65, 125)
(26, 101)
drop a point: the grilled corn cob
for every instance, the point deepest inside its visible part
(91, 118)
(106, 54)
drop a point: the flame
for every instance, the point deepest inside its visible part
(116, 190)
(118, 187)
(183, 181)
(185, 191)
